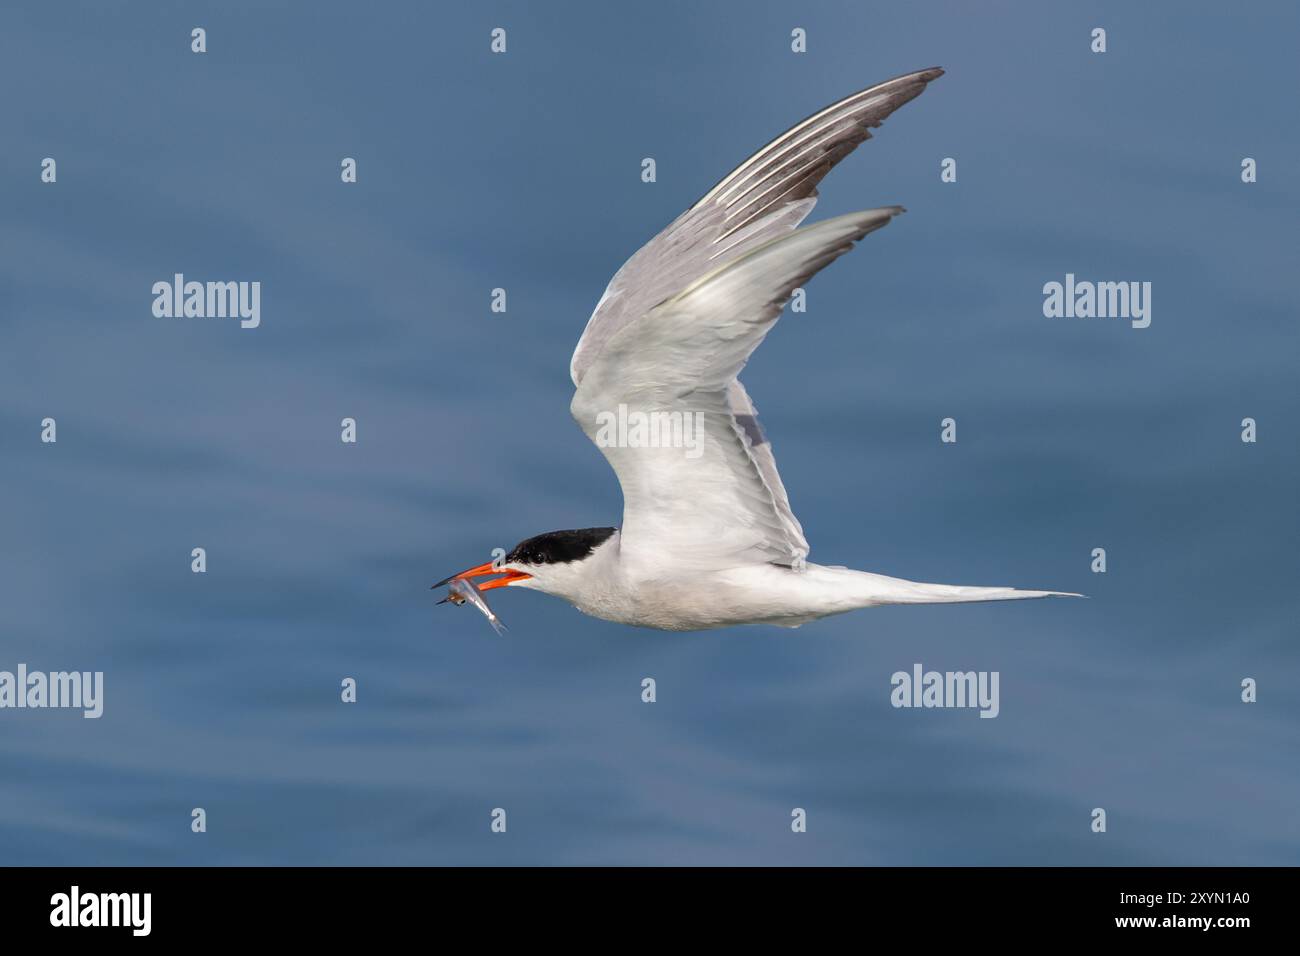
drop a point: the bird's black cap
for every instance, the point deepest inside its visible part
(558, 547)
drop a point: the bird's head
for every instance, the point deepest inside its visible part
(554, 563)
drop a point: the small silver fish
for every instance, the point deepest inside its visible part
(460, 590)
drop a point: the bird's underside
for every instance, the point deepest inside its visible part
(763, 594)
(708, 536)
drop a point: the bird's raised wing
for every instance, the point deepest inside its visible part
(766, 196)
(663, 403)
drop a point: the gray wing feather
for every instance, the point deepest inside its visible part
(686, 354)
(745, 416)
(764, 197)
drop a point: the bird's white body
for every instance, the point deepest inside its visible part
(709, 538)
(648, 594)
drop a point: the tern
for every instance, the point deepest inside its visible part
(708, 537)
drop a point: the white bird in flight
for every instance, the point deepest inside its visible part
(708, 537)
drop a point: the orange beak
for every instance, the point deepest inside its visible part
(507, 577)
